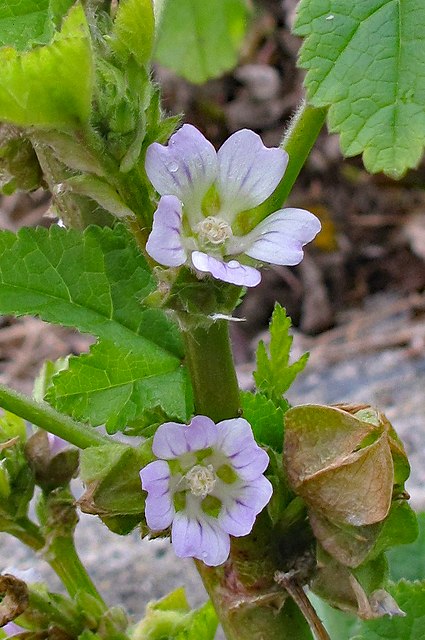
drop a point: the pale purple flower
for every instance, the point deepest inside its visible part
(204, 191)
(207, 484)
(12, 629)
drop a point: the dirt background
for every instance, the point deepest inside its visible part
(357, 300)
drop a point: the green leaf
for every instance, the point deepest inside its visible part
(50, 86)
(265, 418)
(201, 40)
(410, 597)
(30, 22)
(409, 561)
(134, 28)
(274, 374)
(95, 282)
(366, 61)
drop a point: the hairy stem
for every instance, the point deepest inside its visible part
(210, 361)
(45, 417)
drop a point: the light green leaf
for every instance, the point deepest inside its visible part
(96, 282)
(274, 374)
(30, 22)
(366, 61)
(201, 40)
(50, 86)
(133, 31)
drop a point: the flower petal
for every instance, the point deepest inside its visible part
(234, 435)
(201, 433)
(201, 538)
(164, 243)
(186, 168)
(186, 536)
(236, 518)
(155, 478)
(256, 494)
(232, 271)
(159, 511)
(279, 238)
(248, 172)
(169, 441)
(250, 462)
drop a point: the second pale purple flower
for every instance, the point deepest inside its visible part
(203, 192)
(207, 484)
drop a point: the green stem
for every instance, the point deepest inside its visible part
(45, 417)
(210, 361)
(64, 559)
(54, 614)
(27, 532)
(298, 141)
(60, 554)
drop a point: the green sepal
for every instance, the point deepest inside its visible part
(113, 488)
(101, 192)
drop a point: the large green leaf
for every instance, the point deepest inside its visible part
(24, 23)
(50, 86)
(96, 282)
(201, 40)
(366, 61)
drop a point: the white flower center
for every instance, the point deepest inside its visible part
(214, 230)
(201, 480)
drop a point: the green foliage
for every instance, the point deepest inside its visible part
(409, 561)
(172, 618)
(133, 31)
(274, 374)
(201, 40)
(96, 282)
(366, 61)
(56, 79)
(28, 23)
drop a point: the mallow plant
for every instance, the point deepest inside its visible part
(287, 512)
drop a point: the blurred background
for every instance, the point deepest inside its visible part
(357, 300)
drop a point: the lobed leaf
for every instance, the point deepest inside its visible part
(201, 40)
(50, 86)
(366, 61)
(96, 282)
(274, 374)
